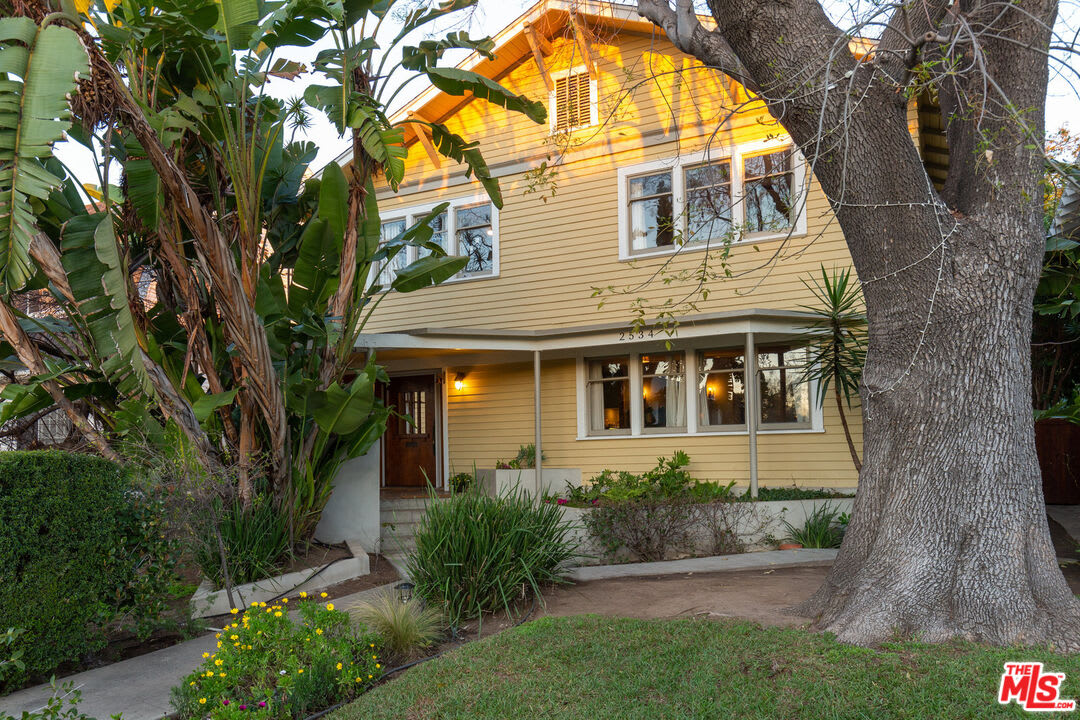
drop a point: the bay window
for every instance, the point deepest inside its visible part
(705, 390)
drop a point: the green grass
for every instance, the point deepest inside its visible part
(595, 667)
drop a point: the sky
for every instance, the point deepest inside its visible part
(490, 16)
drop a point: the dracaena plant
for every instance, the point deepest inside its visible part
(262, 273)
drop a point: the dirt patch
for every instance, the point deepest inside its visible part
(382, 572)
(762, 596)
(314, 556)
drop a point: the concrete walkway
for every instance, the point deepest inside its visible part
(745, 561)
(1068, 516)
(139, 687)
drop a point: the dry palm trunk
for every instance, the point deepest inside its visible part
(29, 356)
(948, 536)
(244, 326)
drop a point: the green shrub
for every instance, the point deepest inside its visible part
(270, 666)
(824, 528)
(255, 538)
(404, 628)
(462, 482)
(793, 493)
(80, 548)
(476, 553)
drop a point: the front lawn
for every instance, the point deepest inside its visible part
(596, 667)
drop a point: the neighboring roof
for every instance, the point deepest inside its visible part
(548, 18)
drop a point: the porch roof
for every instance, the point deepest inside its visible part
(766, 322)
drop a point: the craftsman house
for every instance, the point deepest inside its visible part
(651, 173)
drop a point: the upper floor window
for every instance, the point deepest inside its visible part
(573, 102)
(703, 201)
(468, 228)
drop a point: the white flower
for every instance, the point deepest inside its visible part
(283, 673)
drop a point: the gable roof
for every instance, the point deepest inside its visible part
(547, 18)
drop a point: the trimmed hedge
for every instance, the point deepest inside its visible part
(68, 524)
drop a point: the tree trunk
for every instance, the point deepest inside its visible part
(948, 536)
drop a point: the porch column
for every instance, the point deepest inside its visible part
(537, 441)
(750, 388)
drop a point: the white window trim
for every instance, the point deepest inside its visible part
(413, 213)
(816, 424)
(733, 154)
(594, 102)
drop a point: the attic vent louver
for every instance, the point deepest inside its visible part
(573, 101)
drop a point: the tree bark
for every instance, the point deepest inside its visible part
(948, 536)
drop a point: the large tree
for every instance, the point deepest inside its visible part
(949, 535)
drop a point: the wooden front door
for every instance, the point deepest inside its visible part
(409, 457)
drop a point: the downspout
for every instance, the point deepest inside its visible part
(750, 388)
(537, 440)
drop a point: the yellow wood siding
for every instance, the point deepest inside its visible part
(553, 253)
(493, 415)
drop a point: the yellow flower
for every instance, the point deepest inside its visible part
(370, 676)
(277, 613)
(285, 600)
(254, 603)
(377, 666)
(329, 606)
(300, 671)
(219, 645)
(221, 674)
(357, 679)
(372, 644)
(322, 595)
(303, 594)
(217, 635)
(202, 701)
(192, 683)
(339, 666)
(234, 625)
(218, 663)
(318, 631)
(262, 604)
(209, 673)
(206, 655)
(373, 657)
(234, 611)
(234, 637)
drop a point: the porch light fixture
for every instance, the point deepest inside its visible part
(459, 382)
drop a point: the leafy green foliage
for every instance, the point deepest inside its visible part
(255, 540)
(80, 547)
(836, 338)
(405, 628)
(268, 665)
(476, 553)
(40, 67)
(792, 493)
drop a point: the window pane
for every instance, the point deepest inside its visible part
(709, 213)
(609, 368)
(647, 185)
(390, 230)
(721, 394)
(609, 405)
(785, 398)
(768, 204)
(663, 391)
(474, 216)
(438, 235)
(706, 175)
(652, 223)
(771, 164)
(474, 237)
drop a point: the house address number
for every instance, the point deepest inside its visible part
(628, 335)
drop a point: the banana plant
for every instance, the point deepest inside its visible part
(262, 271)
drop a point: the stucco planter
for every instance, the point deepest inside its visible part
(555, 480)
(208, 600)
(766, 520)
